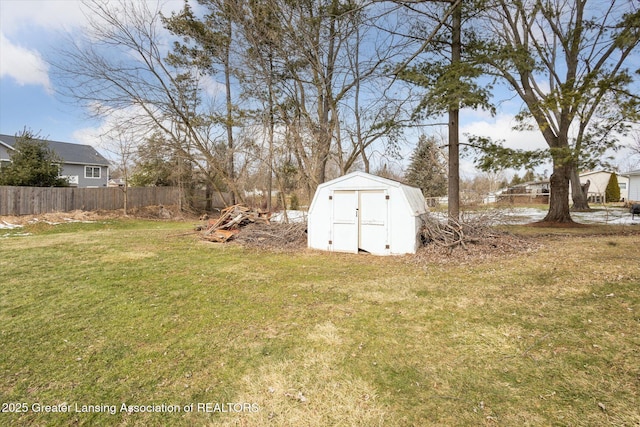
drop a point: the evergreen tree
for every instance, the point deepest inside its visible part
(33, 164)
(516, 180)
(612, 193)
(427, 169)
(529, 176)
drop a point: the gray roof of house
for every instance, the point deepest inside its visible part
(70, 153)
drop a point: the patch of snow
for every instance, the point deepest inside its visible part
(6, 225)
(515, 216)
(613, 216)
(78, 220)
(7, 235)
(292, 216)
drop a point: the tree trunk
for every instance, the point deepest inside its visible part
(454, 129)
(559, 197)
(125, 189)
(231, 173)
(208, 196)
(126, 200)
(272, 126)
(453, 191)
(578, 193)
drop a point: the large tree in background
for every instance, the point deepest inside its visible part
(328, 59)
(566, 61)
(205, 49)
(33, 164)
(448, 75)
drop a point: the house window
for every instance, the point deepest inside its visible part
(91, 172)
(623, 185)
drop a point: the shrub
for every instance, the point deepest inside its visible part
(612, 193)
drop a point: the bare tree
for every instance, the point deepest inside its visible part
(313, 73)
(122, 142)
(635, 147)
(120, 63)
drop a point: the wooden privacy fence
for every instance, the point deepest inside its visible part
(39, 200)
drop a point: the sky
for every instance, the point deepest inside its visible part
(29, 31)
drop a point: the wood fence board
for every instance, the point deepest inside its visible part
(39, 200)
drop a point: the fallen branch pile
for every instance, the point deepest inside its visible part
(453, 233)
(231, 220)
(476, 235)
(274, 236)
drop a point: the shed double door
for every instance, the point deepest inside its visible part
(360, 221)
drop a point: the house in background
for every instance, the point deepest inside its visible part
(598, 181)
(527, 192)
(82, 165)
(634, 185)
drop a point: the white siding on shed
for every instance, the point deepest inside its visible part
(365, 212)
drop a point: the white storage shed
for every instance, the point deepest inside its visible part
(363, 212)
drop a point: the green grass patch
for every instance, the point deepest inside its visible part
(142, 313)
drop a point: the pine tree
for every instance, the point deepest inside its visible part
(427, 169)
(612, 193)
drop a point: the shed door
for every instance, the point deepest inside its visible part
(359, 221)
(344, 236)
(373, 221)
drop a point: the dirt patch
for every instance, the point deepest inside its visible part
(486, 247)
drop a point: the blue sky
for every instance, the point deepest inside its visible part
(29, 29)
(29, 32)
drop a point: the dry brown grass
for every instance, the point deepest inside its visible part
(310, 388)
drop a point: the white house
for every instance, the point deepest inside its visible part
(363, 212)
(598, 181)
(634, 185)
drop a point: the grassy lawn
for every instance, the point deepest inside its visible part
(143, 314)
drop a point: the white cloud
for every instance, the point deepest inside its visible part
(501, 128)
(88, 136)
(104, 134)
(22, 24)
(211, 87)
(22, 16)
(25, 66)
